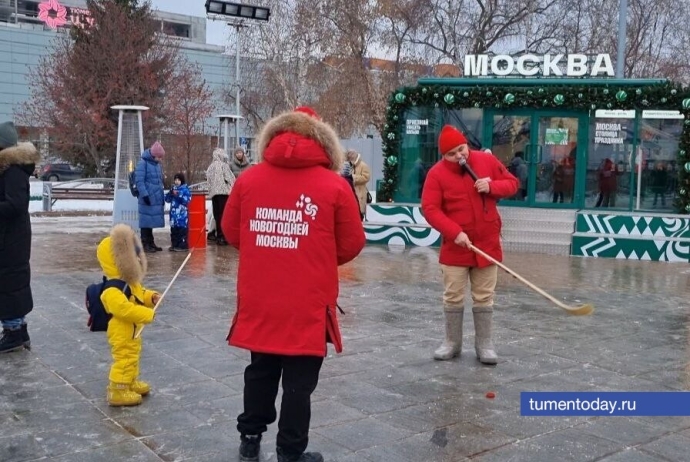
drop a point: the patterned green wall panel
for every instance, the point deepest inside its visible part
(631, 249)
(395, 214)
(402, 235)
(636, 225)
(394, 225)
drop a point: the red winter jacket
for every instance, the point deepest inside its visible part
(294, 219)
(451, 204)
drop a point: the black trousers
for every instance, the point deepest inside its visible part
(261, 377)
(178, 237)
(147, 236)
(218, 204)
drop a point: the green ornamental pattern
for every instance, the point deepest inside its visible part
(631, 249)
(634, 237)
(669, 95)
(395, 225)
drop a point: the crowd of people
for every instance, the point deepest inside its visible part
(300, 207)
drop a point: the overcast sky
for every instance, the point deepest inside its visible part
(216, 31)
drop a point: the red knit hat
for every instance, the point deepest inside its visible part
(450, 138)
(307, 110)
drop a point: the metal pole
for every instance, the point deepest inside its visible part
(141, 133)
(118, 151)
(225, 137)
(16, 11)
(622, 25)
(639, 162)
(237, 82)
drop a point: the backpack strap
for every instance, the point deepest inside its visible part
(120, 285)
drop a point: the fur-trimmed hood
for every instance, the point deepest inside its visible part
(297, 140)
(121, 255)
(21, 155)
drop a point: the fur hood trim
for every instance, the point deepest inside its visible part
(308, 127)
(21, 154)
(121, 255)
(128, 252)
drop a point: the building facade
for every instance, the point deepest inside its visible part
(603, 163)
(28, 28)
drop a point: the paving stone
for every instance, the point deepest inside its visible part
(385, 398)
(673, 447)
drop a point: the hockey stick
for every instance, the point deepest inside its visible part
(581, 310)
(179, 270)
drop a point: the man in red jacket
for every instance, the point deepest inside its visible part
(464, 212)
(294, 220)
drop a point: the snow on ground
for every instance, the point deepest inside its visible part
(81, 223)
(76, 205)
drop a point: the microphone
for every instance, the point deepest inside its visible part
(463, 163)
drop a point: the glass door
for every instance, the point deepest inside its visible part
(540, 149)
(556, 168)
(511, 142)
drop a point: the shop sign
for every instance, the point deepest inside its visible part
(556, 136)
(576, 65)
(413, 126)
(55, 15)
(609, 133)
(654, 114)
(614, 114)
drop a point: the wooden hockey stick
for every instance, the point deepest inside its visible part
(581, 310)
(179, 270)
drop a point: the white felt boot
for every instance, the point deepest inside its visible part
(483, 329)
(453, 344)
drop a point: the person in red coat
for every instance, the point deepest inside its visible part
(294, 219)
(464, 212)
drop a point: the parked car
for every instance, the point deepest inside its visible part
(60, 172)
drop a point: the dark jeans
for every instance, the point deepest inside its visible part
(178, 237)
(261, 377)
(218, 203)
(607, 199)
(147, 236)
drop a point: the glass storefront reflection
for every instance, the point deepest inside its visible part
(624, 159)
(658, 149)
(607, 181)
(419, 149)
(509, 142)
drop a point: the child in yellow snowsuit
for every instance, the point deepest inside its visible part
(121, 257)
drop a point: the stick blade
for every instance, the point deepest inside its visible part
(583, 310)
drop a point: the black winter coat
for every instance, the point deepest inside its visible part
(16, 166)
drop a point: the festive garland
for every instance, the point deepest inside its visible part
(667, 95)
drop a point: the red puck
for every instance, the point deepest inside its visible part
(490, 394)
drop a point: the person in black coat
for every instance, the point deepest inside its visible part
(17, 164)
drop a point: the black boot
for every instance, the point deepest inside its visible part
(250, 447)
(155, 247)
(304, 457)
(25, 336)
(220, 240)
(11, 340)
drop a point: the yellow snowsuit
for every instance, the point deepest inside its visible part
(121, 257)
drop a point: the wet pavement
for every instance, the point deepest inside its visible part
(384, 398)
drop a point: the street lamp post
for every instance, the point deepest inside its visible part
(240, 15)
(622, 30)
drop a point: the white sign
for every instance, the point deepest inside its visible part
(662, 115)
(413, 126)
(608, 133)
(614, 114)
(576, 65)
